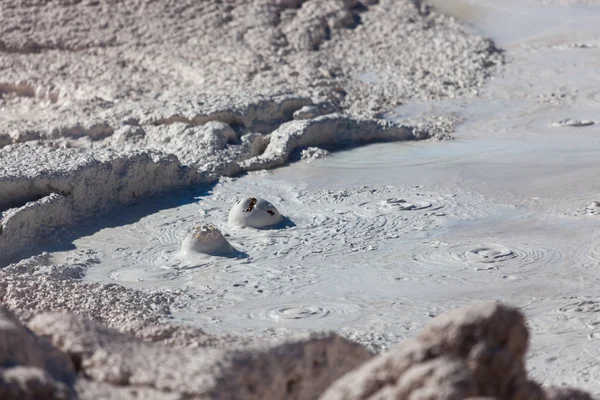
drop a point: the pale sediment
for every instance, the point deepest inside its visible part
(316, 48)
(38, 284)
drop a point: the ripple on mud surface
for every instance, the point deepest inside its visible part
(489, 254)
(411, 205)
(156, 255)
(332, 222)
(486, 256)
(594, 253)
(582, 306)
(147, 275)
(297, 313)
(576, 123)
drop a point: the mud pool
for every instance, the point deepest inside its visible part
(381, 238)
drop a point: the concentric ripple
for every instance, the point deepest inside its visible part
(336, 222)
(301, 314)
(297, 312)
(144, 274)
(410, 205)
(489, 254)
(594, 253)
(486, 256)
(156, 255)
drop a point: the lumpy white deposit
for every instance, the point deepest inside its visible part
(205, 239)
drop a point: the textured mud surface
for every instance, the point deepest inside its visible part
(226, 88)
(99, 112)
(507, 211)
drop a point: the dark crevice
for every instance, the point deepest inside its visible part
(327, 33)
(251, 205)
(77, 360)
(21, 201)
(248, 120)
(19, 89)
(357, 21)
(359, 7)
(290, 385)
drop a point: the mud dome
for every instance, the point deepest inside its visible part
(205, 239)
(253, 212)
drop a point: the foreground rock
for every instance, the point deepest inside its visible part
(476, 353)
(473, 352)
(300, 368)
(30, 368)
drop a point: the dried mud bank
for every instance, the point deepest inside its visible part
(79, 59)
(474, 352)
(44, 187)
(94, 77)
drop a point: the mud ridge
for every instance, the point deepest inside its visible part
(71, 184)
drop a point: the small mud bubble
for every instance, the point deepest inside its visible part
(410, 205)
(297, 312)
(253, 212)
(573, 122)
(489, 254)
(301, 314)
(206, 239)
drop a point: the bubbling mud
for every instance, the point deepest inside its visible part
(205, 239)
(486, 256)
(410, 205)
(573, 123)
(302, 314)
(253, 212)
